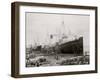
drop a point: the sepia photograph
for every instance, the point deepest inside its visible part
(53, 39)
(56, 39)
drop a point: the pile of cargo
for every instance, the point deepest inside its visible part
(36, 62)
(75, 60)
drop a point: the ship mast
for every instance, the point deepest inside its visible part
(63, 34)
(69, 31)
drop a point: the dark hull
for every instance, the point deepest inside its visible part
(72, 47)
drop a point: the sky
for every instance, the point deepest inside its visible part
(39, 27)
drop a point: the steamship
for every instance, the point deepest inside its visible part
(65, 43)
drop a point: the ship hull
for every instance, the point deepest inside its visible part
(72, 47)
